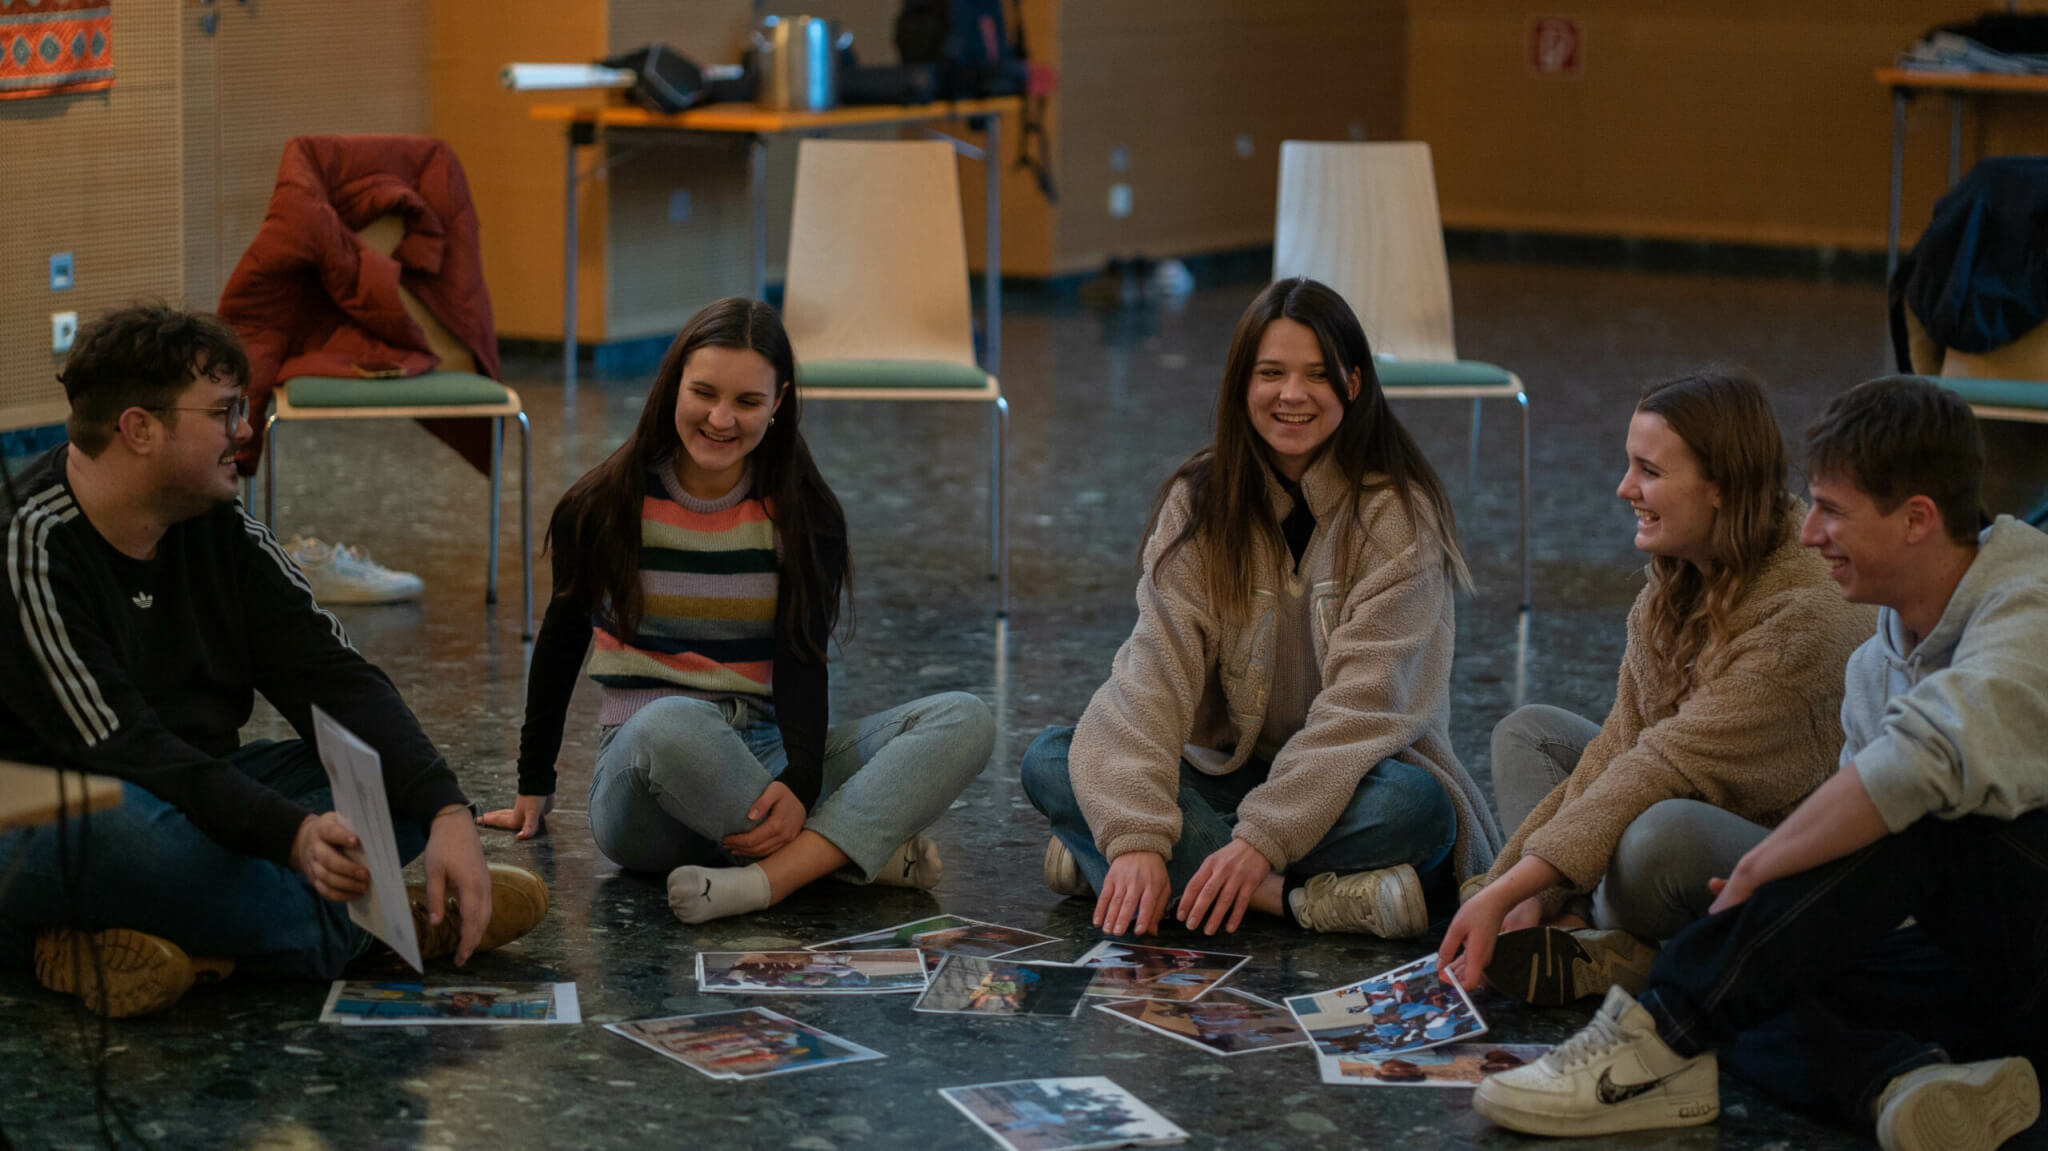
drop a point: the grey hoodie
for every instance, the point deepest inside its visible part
(1958, 724)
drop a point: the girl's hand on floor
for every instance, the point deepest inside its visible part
(1225, 882)
(525, 816)
(781, 816)
(1134, 894)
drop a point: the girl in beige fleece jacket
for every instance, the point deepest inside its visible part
(1726, 714)
(1272, 735)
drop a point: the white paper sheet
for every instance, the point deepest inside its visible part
(356, 772)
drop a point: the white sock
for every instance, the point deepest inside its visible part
(697, 894)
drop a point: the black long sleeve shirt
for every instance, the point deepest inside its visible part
(146, 670)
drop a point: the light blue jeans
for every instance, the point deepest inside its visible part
(678, 777)
(1398, 814)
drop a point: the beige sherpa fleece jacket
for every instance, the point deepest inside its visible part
(1187, 680)
(1760, 729)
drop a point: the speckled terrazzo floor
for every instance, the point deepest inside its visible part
(1103, 405)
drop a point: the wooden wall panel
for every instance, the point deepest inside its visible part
(515, 163)
(1736, 120)
(96, 175)
(1175, 82)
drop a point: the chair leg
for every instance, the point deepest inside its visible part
(999, 541)
(525, 527)
(1528, 577)
(270, 472)
(497, 466)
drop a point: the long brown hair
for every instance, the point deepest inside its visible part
(1229, 507)
(602, 511)
(1725, 420)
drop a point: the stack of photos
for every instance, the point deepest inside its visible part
(810, 972)
(1406, 1009)
(1134, 971)
(965, 985)
(1452, 1065)
(745, 1044)
(979, 940)
(371, 1002)
(1229, 1022)
(1062, 1115)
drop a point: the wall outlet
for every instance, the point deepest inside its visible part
(60, 271)
(1119, 201)
(63, 330)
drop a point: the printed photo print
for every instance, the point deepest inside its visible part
(1230, 1022)
(980, 940)
(811, 972)
(1062, 1114)
(1134, 971)
(965, 985)
(1452, 1065)
(367, 1002)
(745, 1044)
(901, 935)
(1402, 1010)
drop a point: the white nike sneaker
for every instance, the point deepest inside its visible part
(1614, 1076)
(342, 574)
(1958, 1106)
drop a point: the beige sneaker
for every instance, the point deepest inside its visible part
(144, 973)
(1387, 903)
(1958, 1106)
(1549, 966)
(915, 864)
(1063, 871)
(519, 899)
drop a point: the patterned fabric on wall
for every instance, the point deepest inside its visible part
(51, 47)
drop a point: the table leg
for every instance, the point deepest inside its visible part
(1891, 230)
(1955, 138)
(757, 184)
(992, 255)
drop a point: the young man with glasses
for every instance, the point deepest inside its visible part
(1881, 958)
(140, 611)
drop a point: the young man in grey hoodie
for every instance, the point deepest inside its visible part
(1898, 919)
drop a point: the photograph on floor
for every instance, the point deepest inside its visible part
(1230, 1022)
(750, 1043)
(901, 935)
(1135, 971)
(1452, 1065)
(369, 1002)
(811, 972)
(966, 985)
(1401, 1010)
(1074, 1114)
(980, 940)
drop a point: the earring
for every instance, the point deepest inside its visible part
(771, 421)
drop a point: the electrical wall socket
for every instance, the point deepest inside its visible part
(63, 330)
(60, 271)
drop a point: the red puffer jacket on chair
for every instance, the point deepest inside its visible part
(311, 298)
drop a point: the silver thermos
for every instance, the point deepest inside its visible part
(796, 61)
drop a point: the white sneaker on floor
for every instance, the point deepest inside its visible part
(1387, 903)
(342, 574)
(1958, 1106)
(1063, 871)
(1614, 1076)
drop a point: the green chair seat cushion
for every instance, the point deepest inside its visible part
(1998, 393)
(433, 390)
(933, 374)
(1441, 374)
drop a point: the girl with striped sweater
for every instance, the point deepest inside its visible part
(701, 567)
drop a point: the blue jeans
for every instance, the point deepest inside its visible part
(143, 865)
(1811, 991)
(1399, 814)
(678, 777)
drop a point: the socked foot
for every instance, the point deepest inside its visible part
(700, 894)
(915, 864)
(143, 973)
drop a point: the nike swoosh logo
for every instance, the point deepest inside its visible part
(1611, 1092)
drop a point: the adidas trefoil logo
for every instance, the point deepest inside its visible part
(143, 600)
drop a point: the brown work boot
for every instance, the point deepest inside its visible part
(144, 973)
(518, 901)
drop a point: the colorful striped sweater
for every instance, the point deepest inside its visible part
(707, 607)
